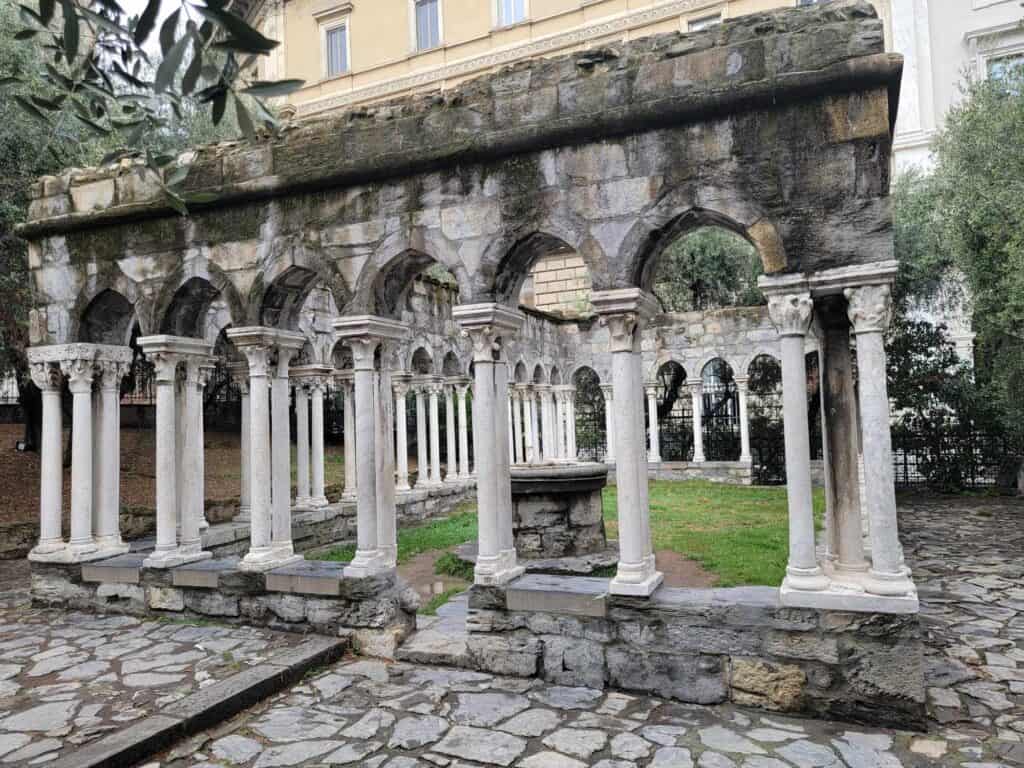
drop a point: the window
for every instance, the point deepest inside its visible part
(428, 24)
(336, 49)
(696, 25)
(511, 12)
(999, 68)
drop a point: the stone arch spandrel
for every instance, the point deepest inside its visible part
(111, 279)
(291, 272)
(201, 270)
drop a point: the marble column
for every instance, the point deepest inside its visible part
(165, 374)
(450, 437)
(697, 409)
(488, 325)
(570, 427)
(544, 435)
(870, 311)
(190, 488)
(375, 489)
(529, 455)
(47, 376)
(349, 421)
(434, 393)
(839, 426)
(422, 460)
(561, 436)
(791, 315)
(464, 473)
(280, 450)
(625, 312)
(80, 373)
(742, 389)
(654, 456)
(107, 455)
(302, 494)
(205, 375)
(401, 434)
(516, 399)
(609, 423)
(318, 389)
(240, 377)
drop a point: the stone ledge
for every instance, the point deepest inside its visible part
(123, 569)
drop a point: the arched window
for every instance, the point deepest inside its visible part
(591, 439)
(720, 412)
(764, 411)
(675, 413)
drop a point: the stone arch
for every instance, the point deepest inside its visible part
(539, 376)
(341, 356)
(675, 413)
(290, 274)
(451, 365)
(114, 281)
(421, 362)
(711, 360)
(108, 319)
(519, 375)
(384, 281)
(507, 261)
(556, 375)
(188, 294)
(680, 212)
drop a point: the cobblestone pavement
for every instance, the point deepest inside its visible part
(69, 678)
(967, 559)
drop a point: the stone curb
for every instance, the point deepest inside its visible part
(205, 707)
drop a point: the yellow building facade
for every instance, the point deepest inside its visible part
(352, 52)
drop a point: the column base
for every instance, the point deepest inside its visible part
(654, 459)
(805, 579)
(636, 579)
(204, 524)
(890, 584)
(389, 556)
(318, 502)
(746, 459)
(403, 487)
(698, 460)
(303, 502)
(349, 495)
(366, 563)
(172, 558)
(50, 552)
(844, 596)
(266, 559)
(112, 546)
(244, 515)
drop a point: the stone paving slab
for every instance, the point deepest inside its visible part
(69, 679)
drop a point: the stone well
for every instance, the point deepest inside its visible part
(557, 510)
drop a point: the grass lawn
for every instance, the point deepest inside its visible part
(739, 533)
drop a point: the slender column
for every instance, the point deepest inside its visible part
(190, 493)
(487, 325)
(839, 407)
(318, 492)
(281, 458)
(452, 465)
(205, 374)
(516, 398)
(51, 546)
(624, 312)
(791, 315)
(107, 458)
(570, 427)
(609, 423)
(513, 451)
(349, 416)
(654, 456)
(463, 390)
(561, 447)
(260, 550)
(422, 462)
(401, 435)
(529, 455)
(535, 405)
(244, 506)
(870, 309)
(697, 408)
(80, 374)
(302, 493)
(165, 375)
(434, 391)
(368, 559)
(742, 388)
(387, 512)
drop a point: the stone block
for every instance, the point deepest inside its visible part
(571, 661)
(515, 655)
(130, 596)
(123, 569)
(211, 603)
(574, 596)
(692, 678)
(802, 645)
(165, 598)
(759, 683)
(92, 196)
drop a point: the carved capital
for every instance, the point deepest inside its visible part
(46, 376)
(742, 384)
(165, 367)
(206, 371)
(651, 389)
(606, 390)
(363, 351)
(791, 313)
(80, 372)
(400, 388)
(869, 308)
(259, 361)
(622, 330)
(484, 339)
(109, 374)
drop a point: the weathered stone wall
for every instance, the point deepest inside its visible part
(558, 524)
(775, 125)
(733, 472)
(704, 647)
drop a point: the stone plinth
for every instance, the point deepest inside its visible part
(377, 613)
(703, 646)
(558, 511)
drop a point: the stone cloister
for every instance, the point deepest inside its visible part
(305, 247)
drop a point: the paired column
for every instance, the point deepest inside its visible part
(654, 456)
(625, 312)
(376, 542)
(107, 453)
(462, 389)
(609, 423)
(526, 398)
(870, 311)
(570, 425)
(178, 363)
(422, 458)
(434, 391)
(286, 346)
(401, 388)
(310, 383)
(697, 408)
(345, 381)
(791, 315)
(450, 436)
(546, 450)
(742, 389)
(516, 401)
(561, 438)
(240, 377)
(47, 376)
(488, 326)
(302, 493)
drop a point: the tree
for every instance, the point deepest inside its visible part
(980, 203)
(707, 269)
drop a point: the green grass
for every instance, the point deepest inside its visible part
(430, 609)
(738, 532)
(450, 564)
(456, 529)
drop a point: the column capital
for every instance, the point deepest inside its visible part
(364, 333)
(259, 361)
(624, 311)
(696, 387)
(607, 391)
(80, 372)
(239, 373)
(47, 376)
(742, 383)
(109, 374)
(651, 388)
(791, 313)
(869, 308)
(486, 324)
